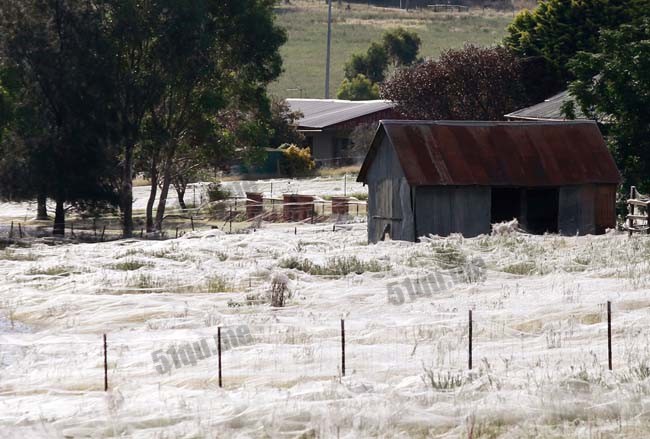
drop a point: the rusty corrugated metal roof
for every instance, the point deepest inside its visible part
(524, 154)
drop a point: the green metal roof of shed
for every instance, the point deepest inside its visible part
(549, 110)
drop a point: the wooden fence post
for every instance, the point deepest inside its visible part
(219, 353)
(103, 232)
(11, 230)
(192, 221)
(469, 362)
(342, 347)
(630, 211)
(20, 231)
(609, 334)
(105, 366)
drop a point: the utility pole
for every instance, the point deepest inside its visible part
(329, 46)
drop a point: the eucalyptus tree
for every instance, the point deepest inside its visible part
(57, 143)
(219, 57)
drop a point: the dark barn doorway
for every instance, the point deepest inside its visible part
(542, 207)
(506, 204)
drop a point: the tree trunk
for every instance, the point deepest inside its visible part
(181, 198)
(59, 219)
(126, 202)
(164, 190)
(152, 194)
(180, 185)
(41, 209)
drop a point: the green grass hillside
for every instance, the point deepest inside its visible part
(354, 29)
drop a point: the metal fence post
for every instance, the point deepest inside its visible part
(470, 341)
(219, 352)
(342, 347)
(609, 334)
(105, 366)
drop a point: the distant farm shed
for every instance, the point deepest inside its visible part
(328, 123)
(442, 177)
(550, 110)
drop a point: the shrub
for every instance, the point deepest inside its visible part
(297, 161)
(216, 192)
(448, 255)
(358, 88)
(57, 270)
(279, 290)
(145, 281)
(442, 381)
(294, 263)
(217, 284)
(525, 268)
(129, 265)
(337, 266)
(640, 372)
(342, 266)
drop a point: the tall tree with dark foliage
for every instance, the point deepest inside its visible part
(57, 143)
(551, 34)
(613, 87)
(101, 78)
(472, 83)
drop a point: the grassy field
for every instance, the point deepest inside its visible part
(354, 29)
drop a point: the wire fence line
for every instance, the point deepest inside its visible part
(212, 215)
(277, 354)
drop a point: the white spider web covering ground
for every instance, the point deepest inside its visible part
(540, 347)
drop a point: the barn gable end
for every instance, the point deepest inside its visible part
(389, 196)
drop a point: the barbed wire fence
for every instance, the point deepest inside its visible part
(221, 215)
(280, 354)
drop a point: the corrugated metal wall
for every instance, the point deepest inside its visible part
(576, 213)
(441, 210)
(587, 209)
(605, 207)
(389, 197)
(323, 145)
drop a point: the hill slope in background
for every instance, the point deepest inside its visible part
(353, 30)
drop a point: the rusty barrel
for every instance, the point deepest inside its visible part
(297, 207)
(340, 205)
(254, 204)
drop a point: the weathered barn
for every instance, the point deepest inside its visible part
(460, 177)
